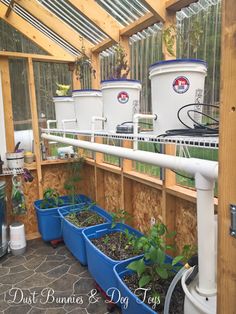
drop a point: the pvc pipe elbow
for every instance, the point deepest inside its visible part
(49, 122)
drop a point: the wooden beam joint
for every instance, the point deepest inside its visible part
(10, 8)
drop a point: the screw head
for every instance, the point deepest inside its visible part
(233, 233)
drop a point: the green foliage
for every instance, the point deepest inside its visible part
(74, 177)
(195, 32)
(169, 37)
(51, 199)
(152, 266)
(83, 64)
(62, 90)
(121, 68)
(120, 215)
(17, 197)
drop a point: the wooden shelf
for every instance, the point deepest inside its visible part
(145, 179)
(108, 167)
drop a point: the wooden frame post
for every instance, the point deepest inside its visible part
(226, 271)
(35, 125)
(7, 103)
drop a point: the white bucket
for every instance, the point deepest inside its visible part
(15, 160)
(121, 100)
(88, 103)
(175, 83)
(194, 303)
(17, 238)
(65, 110)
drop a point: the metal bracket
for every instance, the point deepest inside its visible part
(233, 220)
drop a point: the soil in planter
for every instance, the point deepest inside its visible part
(177, 300)
(116, 245)
(85, 218)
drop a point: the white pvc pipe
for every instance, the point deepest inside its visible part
(94, 119)
(205, 173)
(63, 122)
(207, 168)
(206, 235)
(49, 122)
(136, 118)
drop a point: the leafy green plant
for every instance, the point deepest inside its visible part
(193, 39)
(83, 64)
(152, 266)
(85, 217)
(62, 90)
(74, 177)
(121, 68)
(17, 197)
(51, 199)
(120, 215)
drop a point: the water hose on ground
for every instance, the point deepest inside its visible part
(191, 263)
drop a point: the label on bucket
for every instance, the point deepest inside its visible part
(123, 97)
(181, 84)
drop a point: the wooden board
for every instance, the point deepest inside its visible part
(55, 176)
(112, 191)
(226, 301)
(185, 224)
(147, 204)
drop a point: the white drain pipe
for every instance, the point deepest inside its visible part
(63, 122)
(205, 172)
(49, 123)
(94, 119)
(136, 118)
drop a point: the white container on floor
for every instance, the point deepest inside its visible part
(65, 110)
(88, 103)
(17, 238)
(121, 100)
(175, 83)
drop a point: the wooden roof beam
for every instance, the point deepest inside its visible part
(102, 19)
(55, 24)
(157, 8)
(143, 22)
(35, 35)
(35, 57)
(177, 5)
(10, 7)
(105, 44)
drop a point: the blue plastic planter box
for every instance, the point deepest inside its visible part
(72, 235)
(128, 301)
(100, 265)
(49, 222)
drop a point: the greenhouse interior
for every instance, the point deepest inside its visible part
(117, 165)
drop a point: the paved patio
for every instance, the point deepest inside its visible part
(47, 280)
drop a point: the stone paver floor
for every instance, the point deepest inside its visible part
(47, 280)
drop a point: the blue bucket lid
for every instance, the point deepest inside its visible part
(86, 90)
(199, 61)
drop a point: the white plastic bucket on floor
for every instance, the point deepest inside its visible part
(15, 160)
(194, 303)
(88, 104)
(175, 83)
(65, 110)
(121, 100)
(17, 238)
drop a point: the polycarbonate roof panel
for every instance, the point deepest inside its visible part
(69, 14)
(194, 8)
(124, 11)
(42, 28)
